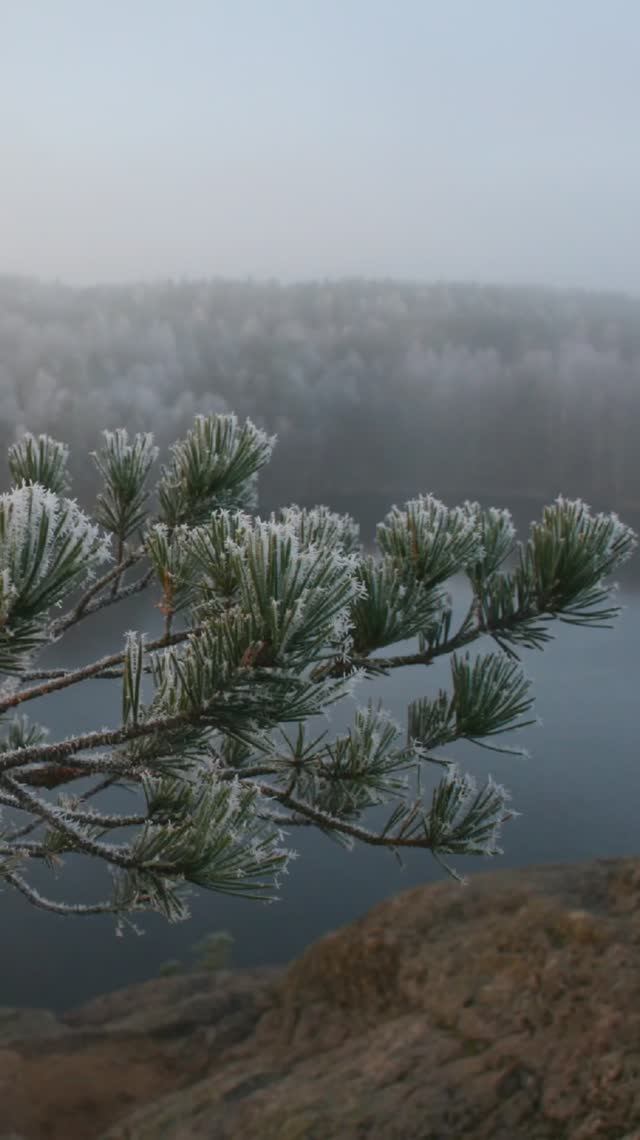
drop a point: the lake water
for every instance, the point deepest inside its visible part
(578, 794)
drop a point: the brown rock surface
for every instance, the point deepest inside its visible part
(121, 1050)
(506, 1010)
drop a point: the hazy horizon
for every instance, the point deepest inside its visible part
(266, 280)
(413, 141)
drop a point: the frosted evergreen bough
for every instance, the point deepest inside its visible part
(268, 622)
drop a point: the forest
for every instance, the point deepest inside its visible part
(373, 387)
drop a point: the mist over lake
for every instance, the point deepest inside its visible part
(377, 391)
(374, 388)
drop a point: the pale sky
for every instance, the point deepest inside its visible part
(493, 140)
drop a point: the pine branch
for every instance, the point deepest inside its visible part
(89, 740)
(67, 909)
(65, 678)
(80, 609)
(283, 615)
(29, 828)
(468, 632)
(331, 823)
(64, 822)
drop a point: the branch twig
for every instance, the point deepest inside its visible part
(74, 615)
(75, 676)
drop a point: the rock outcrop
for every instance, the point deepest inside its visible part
(508, 1009)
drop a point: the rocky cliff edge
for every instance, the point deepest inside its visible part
(504, 1010)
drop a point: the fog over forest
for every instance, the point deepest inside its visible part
(373, 387)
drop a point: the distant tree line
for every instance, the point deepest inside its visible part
(373, 387)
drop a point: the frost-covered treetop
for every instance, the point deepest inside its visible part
(268, 622)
